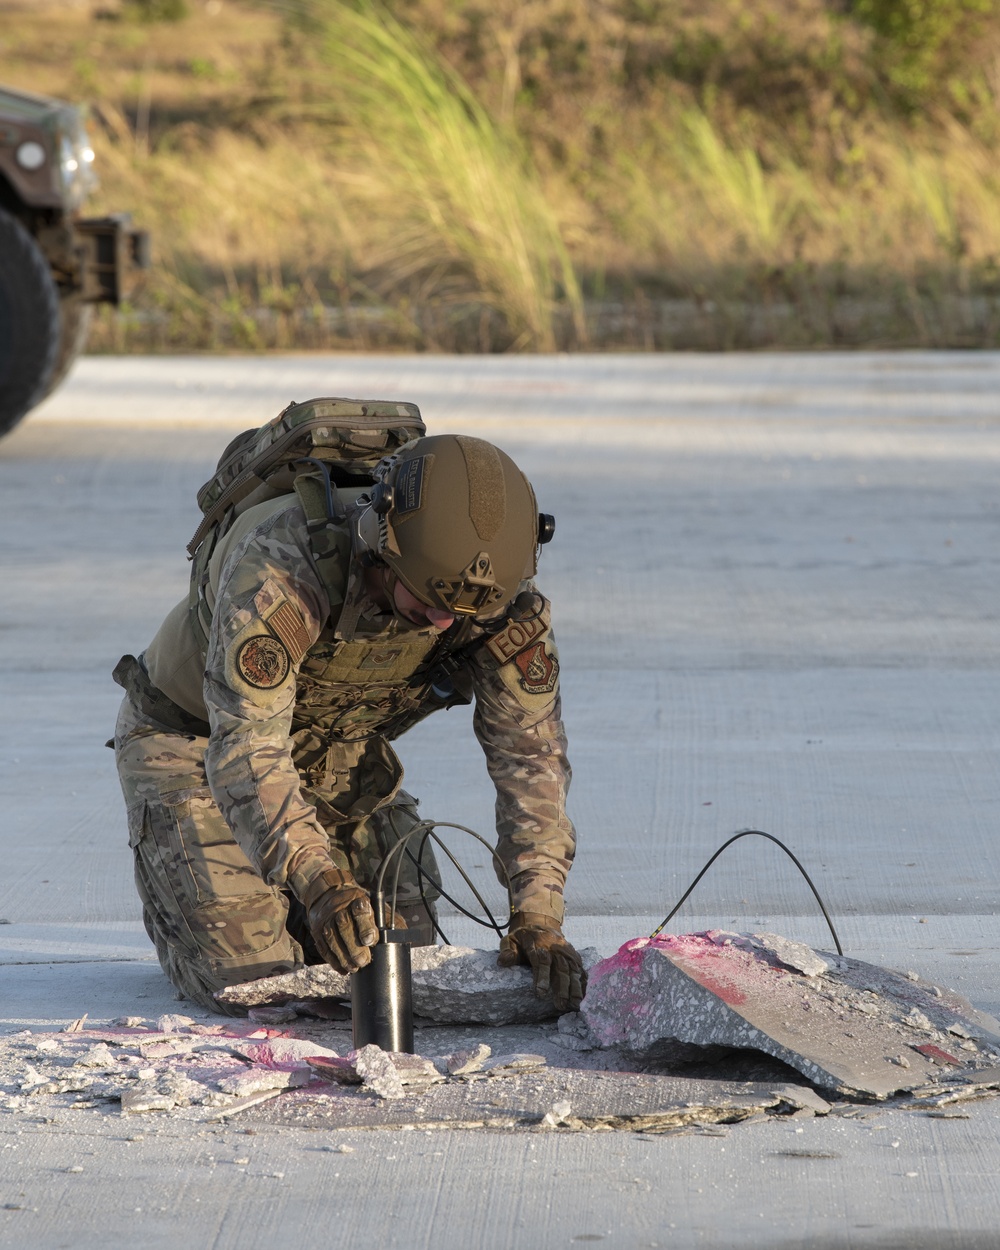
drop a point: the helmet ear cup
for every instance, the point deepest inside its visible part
(383, 498)
(546, 528)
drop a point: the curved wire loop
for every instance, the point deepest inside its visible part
(425, 831)
(746, 833)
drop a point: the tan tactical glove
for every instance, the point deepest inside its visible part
(341, 919)
(538, 941)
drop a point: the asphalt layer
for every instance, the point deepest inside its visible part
(775, 588)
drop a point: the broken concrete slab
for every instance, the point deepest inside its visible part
(597, 1100)
(459, 985)
(451, 985)
(854, 1028)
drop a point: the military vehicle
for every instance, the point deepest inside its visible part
(55, 264)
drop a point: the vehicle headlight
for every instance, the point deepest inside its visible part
(30, 155)
(76, 165)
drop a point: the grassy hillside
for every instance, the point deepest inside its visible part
(530, 174)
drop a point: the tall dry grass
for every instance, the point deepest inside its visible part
(456, 186)
(361, 194)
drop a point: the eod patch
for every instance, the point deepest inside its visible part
(539, 670)
(263, 662)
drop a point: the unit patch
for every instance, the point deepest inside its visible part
(539, 670)
(263, 662)
(514, 637)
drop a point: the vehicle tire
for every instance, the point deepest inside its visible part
(74, 326)
(29, 322)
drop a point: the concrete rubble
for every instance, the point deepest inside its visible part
(747, 1007)
(451, 985)
(847, 1026)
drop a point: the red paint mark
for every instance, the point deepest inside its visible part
(716, 966)
(938, 1055)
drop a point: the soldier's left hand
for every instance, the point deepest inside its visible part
(538, 941)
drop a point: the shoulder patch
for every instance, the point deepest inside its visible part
(263, 662)
(287, 623)
(538, 668)
(514, 637)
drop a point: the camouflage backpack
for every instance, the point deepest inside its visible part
(309, 448)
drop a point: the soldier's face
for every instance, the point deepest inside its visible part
(411, 609)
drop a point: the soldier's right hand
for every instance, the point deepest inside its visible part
(341, 919)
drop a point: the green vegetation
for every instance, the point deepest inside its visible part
(502, 174)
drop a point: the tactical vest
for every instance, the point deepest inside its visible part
(378, 684)
(383, 683)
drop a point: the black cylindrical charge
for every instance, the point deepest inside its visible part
(382, 996)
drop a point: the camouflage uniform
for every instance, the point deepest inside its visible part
(253, 747)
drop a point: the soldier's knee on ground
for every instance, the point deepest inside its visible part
(199, 976)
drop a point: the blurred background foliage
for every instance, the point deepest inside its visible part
(492, 175)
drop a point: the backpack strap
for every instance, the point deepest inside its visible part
(329, 537)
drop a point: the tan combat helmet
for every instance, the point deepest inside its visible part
(456, 521)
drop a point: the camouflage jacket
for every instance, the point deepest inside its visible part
(303, 676)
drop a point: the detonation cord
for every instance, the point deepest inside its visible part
(757, 833)
(425, 831)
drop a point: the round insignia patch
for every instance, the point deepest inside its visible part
(539, 670)
(263, 662)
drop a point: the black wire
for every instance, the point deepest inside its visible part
(735, 838)
(426, 830)
(491, 921)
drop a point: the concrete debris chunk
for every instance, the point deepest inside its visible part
(557, 1114)
(572, 1033)
(288, 1053)
(844, 1030)
(510, 1065)
(377, 1072)
(48, 1046)
(386, 1073)
(917, 1020)
(182, 1089)
(415, 1071)
(313, 981)
(131, 1022)
(174, 1023)
(98, 1056)
(341, 1070)
(30, 1077)
(462, 1062)
(451, 985)
(272, 1015)
(794, 955)
(255, 1080)
(136, 1101)
(802, 1098)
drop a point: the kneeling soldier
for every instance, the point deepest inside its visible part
(253, 741)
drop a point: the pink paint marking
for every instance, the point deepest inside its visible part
(938, 1055)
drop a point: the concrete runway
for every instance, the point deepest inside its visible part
(775, 585)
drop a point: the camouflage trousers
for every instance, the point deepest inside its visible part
(212, 918)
